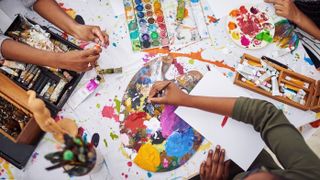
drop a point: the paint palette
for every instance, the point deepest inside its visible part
(250, 27)
(146, 24)
(153, 136)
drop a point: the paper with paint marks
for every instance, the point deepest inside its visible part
(222, 9)
(241, 141)
(117, 7)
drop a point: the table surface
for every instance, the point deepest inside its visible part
(219, 52)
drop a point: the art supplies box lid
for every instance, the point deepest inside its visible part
(241, 141)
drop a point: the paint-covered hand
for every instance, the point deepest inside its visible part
(91, 33)
(286, 9)
(79, 61)
(172, 94)
(214, 168)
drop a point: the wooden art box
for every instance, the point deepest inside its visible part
(288, 79)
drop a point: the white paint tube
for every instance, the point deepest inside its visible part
(275, 86)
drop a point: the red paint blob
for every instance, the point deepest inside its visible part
(243, 10)
(134, 121)
(315, 124)
(179, 68)
(109, 112)
(129, 163)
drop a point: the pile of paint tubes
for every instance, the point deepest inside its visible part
(266, 77)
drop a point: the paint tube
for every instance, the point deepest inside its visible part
(269, 68)
(9, 71)
(46, 87)
(265, 83)
(291, 87)
(247, 81)
(49, 91)
(23, 74)
(248, 77)
(57, 91)
(34, 79)
(300, 96)
(253, 63)
(264, 77)
(264, 87)
(289, 94)
(14, 65)
(110, 71)
(275, 86)
(297, 82)
(200, 21)
(80, 95)
(246, 69)
(256, 68)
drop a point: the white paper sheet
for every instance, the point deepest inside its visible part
(117, 6)
(222, 8)
(241, 141)
(5, 22)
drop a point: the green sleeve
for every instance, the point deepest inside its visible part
(281, 137)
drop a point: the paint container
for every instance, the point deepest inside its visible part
(57, 91)
(297, 82)
(80, 95)
(9, 71)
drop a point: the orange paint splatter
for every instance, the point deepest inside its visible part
(234, 13)
(232, 26)
(212, 19)
(315, 124)
(192, 55)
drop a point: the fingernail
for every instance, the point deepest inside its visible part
(210, 151)
(218, 147)
(222, 150)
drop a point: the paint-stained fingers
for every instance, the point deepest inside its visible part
(215, 159)
(220, 165)
(98, 33)
(202, 170)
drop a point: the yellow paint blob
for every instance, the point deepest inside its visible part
(235, 35)
(204, 147)
(71, 13)
(148, 158)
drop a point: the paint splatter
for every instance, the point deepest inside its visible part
(98, 106)
(191, 61)
(213, 19)
(179, 68)
(105, 143)
(118, 104)
(114, 44)
(224, 121)
(149, 174)
(34, 156)
(192, 55)
(129, 163)
(308, 60)
(245, 41)
(315, 124)
(108, 112)
(134, 122)
(114, 136)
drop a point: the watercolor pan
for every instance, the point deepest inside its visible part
(47, 74)
(146, 24)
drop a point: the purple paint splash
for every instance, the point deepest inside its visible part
(170, 122)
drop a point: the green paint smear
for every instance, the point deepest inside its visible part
(98, 106)
(118, 104)
(105, 143)
(191, 61)
(113, 136)
(264, 36)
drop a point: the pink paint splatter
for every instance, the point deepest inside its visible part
(245, 41)
(179, 67)
(165, 163)
(109, 112)
(98, 94)
(34, 156)
(129, 163)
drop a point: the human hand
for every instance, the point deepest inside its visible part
(91, 33)
(79, 61)
(173, 95)
(214, 168)
(286, 9)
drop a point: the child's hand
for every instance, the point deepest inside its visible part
(173, 95)
(79, 61)
(286, 9)
(214, 168)
(91, 33)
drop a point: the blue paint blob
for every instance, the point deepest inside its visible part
(179, 144)
(139, 8)
(114, 44)
(149, 174)
(308, 60)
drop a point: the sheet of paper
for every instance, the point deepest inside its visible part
(241, 141)
(5, 22)
(222, 8)
(117, 6)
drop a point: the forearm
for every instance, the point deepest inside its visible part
(50, 10)
(13, 50)
(219, 105)
(306, 24)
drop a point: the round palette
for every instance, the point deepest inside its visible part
(250, 27)
(153, 136)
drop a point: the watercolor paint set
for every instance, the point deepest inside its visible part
(275, 80)
(146, 24)
(53, 86)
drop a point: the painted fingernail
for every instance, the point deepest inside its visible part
(222, 150)
(218, 147)
(210, 151)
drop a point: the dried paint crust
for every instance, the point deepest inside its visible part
(154, 137)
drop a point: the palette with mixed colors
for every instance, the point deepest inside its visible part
(154, 137)
(146, 24)
(250, 27)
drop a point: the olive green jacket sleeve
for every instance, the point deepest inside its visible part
(280, 136)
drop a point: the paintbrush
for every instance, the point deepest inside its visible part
(161, 92)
